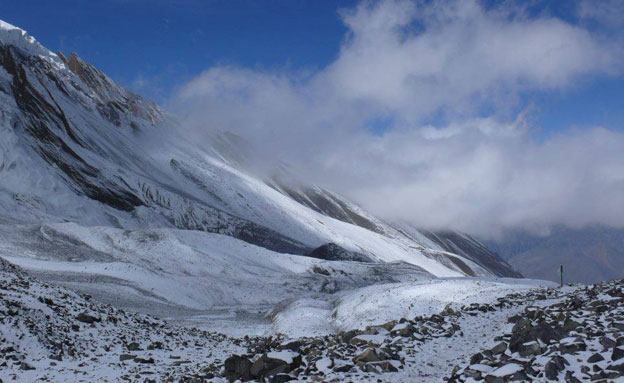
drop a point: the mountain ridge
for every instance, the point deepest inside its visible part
(91, 132)
(102, 192)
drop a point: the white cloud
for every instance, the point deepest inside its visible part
(404, 63)
(607, 13)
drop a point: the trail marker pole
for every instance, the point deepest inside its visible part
(561, 274)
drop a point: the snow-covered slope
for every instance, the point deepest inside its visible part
(187, 268)
(77, 147)
(99, 191)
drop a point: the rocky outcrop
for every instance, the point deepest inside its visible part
(333, 252)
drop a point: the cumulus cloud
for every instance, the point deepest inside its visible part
(421, 119)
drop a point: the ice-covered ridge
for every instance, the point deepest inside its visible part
(19, 38)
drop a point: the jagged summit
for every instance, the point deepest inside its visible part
(112, 100)
(19, 38)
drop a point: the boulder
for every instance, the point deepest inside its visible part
(595, 358)
(499, 348)
(87, 318)
(237, 368)
(367, 356)
(529, 349)
(382, 366)
(133, 346)
(267, 367)
(570, 324)
(617, 354)
(281, 378)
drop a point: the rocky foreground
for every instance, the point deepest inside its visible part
(52, 334)
(363, 355)
(578, 338)
(574, 334)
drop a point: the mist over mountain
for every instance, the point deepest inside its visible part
(428, 115)
(94, 173)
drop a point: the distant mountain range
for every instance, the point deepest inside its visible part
(588, 255)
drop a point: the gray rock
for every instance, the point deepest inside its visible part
(87, 318)
(237, 367)
(595, 358)
(382, 366)
(617, 354)
(133, 346)
(281, 378)
(499, 348)
(551, 371)
(529, 349)
(138, 359)
(265, 366)
(367, 356)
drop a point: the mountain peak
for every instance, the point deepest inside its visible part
(19, 38)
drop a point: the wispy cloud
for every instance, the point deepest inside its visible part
(447, 79)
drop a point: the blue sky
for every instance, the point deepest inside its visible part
(155, 46)
(167, 42)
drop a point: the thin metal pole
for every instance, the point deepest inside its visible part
(561, 274)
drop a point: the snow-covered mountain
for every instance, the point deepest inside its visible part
(97, 181)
